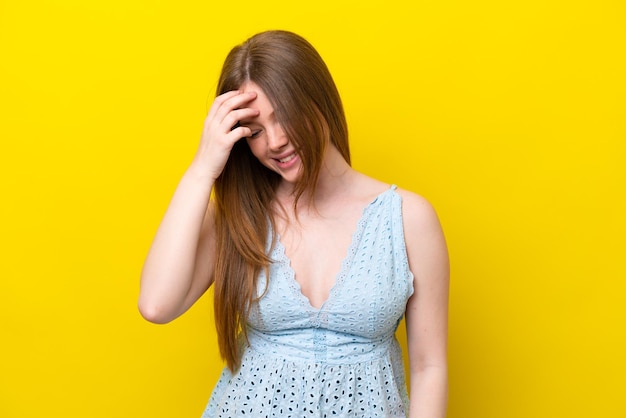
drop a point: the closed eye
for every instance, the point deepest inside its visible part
(254, 134)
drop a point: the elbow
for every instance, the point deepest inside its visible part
(434, 364)
(431, 371)
(154, 313)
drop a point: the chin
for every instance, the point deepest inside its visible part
(290, 178)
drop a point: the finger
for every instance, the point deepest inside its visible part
(238, 115)
(219, 101)
(234, 102)
(239, 133)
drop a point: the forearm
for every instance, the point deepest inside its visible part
(168, 271)
(429, 393)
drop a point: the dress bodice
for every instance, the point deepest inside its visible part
(342, 358)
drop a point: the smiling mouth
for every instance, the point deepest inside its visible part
(287, 158)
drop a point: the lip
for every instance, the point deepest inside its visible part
(284, 155)
(286, 164)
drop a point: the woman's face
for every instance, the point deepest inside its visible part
(268, 142)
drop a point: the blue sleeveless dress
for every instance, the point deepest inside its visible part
(341, 360)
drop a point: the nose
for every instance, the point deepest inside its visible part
(276, 139)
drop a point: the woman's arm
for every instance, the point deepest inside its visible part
(177, 270)
(179, 265)
(427, 309)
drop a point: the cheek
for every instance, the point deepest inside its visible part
(257, 147)
(254, 146)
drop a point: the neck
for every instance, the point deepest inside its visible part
(335, 176)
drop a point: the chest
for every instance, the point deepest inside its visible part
(366, 297)
(317, 248)
(350, 275)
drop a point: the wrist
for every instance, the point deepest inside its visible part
(200, 175)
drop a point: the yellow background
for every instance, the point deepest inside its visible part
(509, 116)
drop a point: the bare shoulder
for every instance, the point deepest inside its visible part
(425, 242)
(365, 188)
(417, 212)
(356, 192)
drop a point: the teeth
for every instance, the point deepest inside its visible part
(287, 159)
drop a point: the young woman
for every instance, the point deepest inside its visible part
(313, 263)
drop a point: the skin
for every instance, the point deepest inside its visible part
(175, 275)
(268, 142)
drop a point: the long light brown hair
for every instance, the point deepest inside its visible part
(307, 105)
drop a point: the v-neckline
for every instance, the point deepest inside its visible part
(345, 262)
